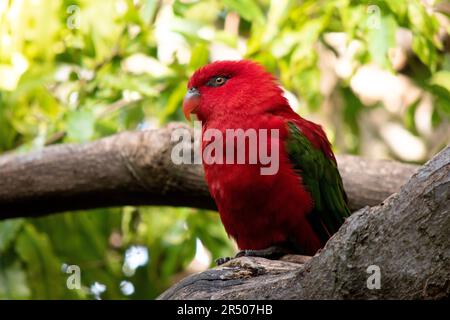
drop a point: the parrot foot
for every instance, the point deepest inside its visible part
(223, 260)
(272, 253)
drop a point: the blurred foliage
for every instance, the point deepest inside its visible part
(74, 71)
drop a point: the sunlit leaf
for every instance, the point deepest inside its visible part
(13, 282)
(80, 125)
(199, 56)
(425, 51)
(148, 11)
(248, 9)
(399, 7)
(442, 79)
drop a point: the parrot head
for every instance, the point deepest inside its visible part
(231, 87)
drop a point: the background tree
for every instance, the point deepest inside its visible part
(376, 74)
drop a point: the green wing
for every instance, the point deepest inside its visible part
(321, 178)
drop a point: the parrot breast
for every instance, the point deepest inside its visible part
(257, 210)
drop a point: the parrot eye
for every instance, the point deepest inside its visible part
(216, 81)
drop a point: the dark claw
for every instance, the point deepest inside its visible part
(243, 253)
(274, 253)
(222, 260)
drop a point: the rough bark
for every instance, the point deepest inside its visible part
(407, 237)
(135, 168)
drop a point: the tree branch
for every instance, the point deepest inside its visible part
(135, 168)
(406, 236)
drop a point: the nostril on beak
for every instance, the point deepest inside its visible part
(191, 102)
(193, 92)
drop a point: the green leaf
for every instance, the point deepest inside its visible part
(148, 11)
(351, 115)
(442, 79)
(306, 38)
(442, 106)
(80, 125)
(420, 20)
(13, 281)
(425, 51)
(278, 11)
(409, 117)
(247, 9)
(7, 132)
(442, 101)
(8, 232)
(43, 267)
(89, 246)
(399, 7)
(174, 102)
(199, 56)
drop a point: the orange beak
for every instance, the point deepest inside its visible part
(191, 102)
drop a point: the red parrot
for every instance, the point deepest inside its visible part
(295, 210)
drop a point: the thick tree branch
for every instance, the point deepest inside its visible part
(135, 168)
(406, 237)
